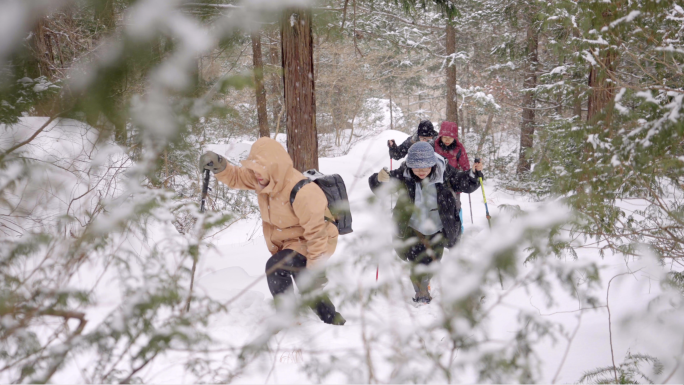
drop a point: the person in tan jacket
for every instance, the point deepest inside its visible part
(298, 235)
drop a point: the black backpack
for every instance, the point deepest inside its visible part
(335, 191)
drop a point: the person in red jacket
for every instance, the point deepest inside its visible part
(448, 146)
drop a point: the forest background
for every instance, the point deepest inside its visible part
(574, 101)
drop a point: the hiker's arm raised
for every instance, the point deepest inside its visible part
(400, 151)
(237, 177)
(375, 180)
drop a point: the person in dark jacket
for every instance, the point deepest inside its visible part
(426, 214)
(425, 133)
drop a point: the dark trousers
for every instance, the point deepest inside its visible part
(424, 250)
(284, 267)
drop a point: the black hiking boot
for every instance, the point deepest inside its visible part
(422, 288)
(422, 299)
(326, 312)
(338, 319)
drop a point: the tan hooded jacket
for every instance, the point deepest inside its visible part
(301, 226)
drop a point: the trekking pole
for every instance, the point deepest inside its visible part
(470, 202)
(477, 160)
(489, 217)
(205, 190)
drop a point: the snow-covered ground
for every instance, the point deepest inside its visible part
(240, 256)
(385, 321)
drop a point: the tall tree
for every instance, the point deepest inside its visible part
(298, 81)
(258, 63)
(577, 77)
(451, 103)
(601, 73)
(529, 101)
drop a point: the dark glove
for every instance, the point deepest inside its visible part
(478, 174)
(213, 161)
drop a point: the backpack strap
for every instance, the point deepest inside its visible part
(458, 155)
(296, 189)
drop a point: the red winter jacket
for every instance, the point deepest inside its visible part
(456, 152)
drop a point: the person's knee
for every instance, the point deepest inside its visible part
(276, 260)
(284, 259)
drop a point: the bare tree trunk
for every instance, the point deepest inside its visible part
(602, 89)
(577, 79)
(484, 133)
(577, 106)
(275, 80)
(390, 108)
(601, 79)
(420, 105)
(259, 85)
(298, 81)
(336, 101)
(530, 82)
(451, 103)
(465, 111)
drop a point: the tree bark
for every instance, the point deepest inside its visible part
(262, 114)
(577, 77)
(298, 81)
(602, 87)
(451, 103)
(275, 80)
(529, 101)
(602, 92)
(484, 133)
(577, 103)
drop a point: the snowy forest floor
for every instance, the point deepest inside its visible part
(239, 257)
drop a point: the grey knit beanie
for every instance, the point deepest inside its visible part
(421, 155)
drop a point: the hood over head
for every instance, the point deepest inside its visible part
(269, 158)
(449, 129)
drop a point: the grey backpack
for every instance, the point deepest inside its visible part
(335, 191)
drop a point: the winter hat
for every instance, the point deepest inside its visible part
(421, 155)
(449, 129)
(425, 128)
